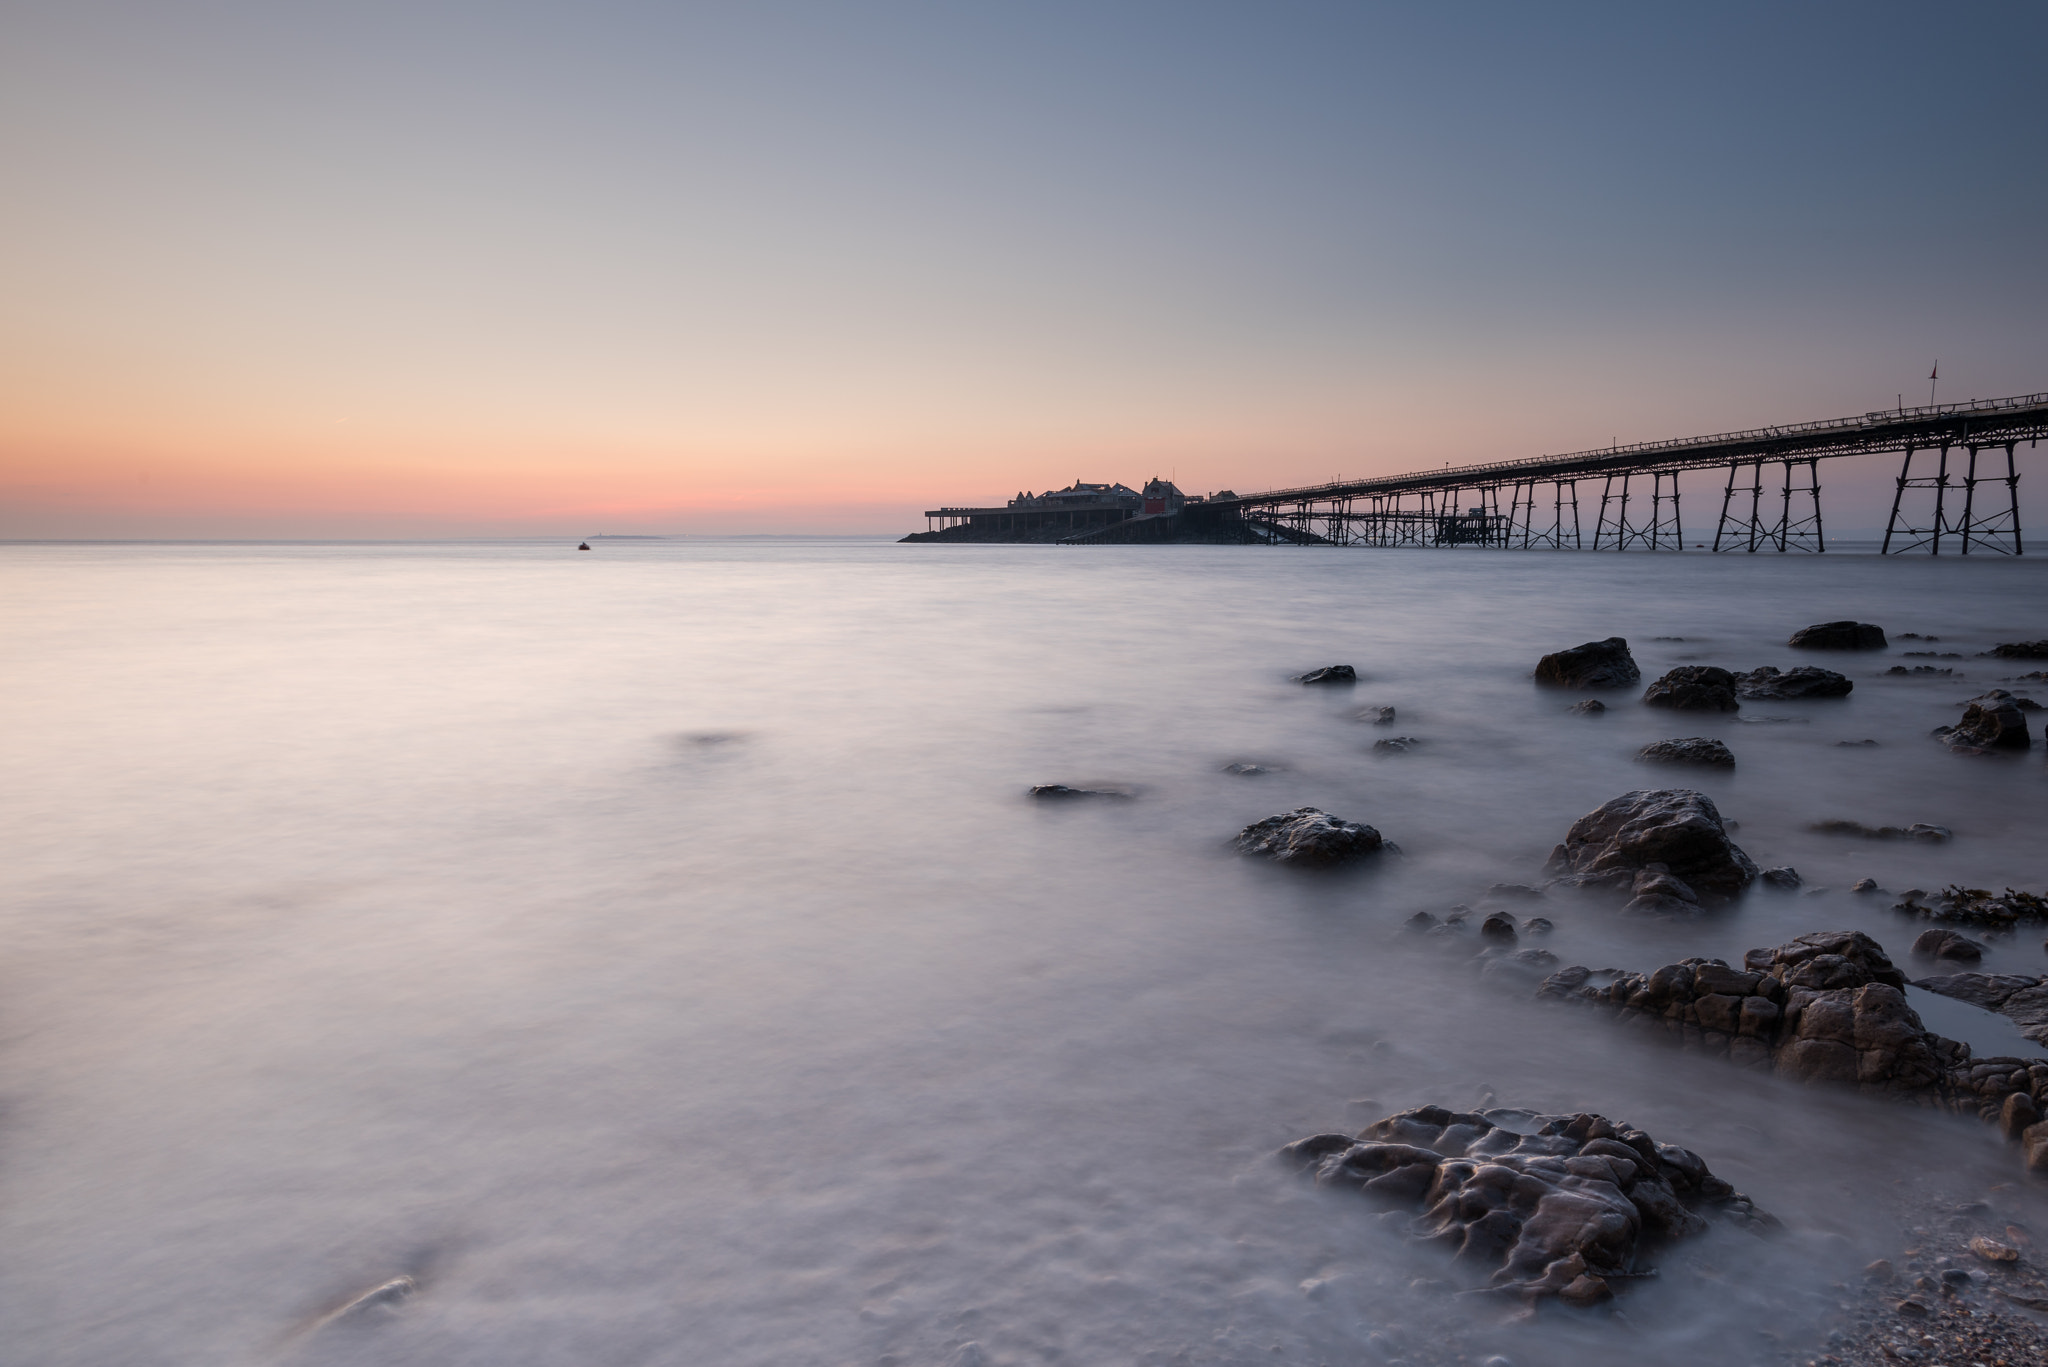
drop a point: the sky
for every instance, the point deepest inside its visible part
(463, 269)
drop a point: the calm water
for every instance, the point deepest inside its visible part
(653, 953)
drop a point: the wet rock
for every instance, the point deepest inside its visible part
(1865, 885)
(1329, 674)
(1930, 671)
(1246, 770)
(1947, 944)
(1512, 892)
(1993, 722)
(1575, 1206)
(1701, 750)
(1992, 1251)
(1059, 792)
(1855, 742)
(1537, 925)
(1596, 664)
(1308, 836)
(1678, 829)
(1783, 877)
(1839, 636)
(1591, 707)
(1378, 716)
(2020, 650)
(1804, 682)
(1397, 745)
(2019, 1113)
(1694, 688)
(1975, 907)
(1421, 923)
(1498, 927)
(2018, 997)
(1658, 893)
(1919, 831)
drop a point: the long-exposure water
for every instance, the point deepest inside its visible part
(653, 952)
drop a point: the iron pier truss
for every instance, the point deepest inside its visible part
(1958, 491)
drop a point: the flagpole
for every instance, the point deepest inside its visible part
(1932, 376)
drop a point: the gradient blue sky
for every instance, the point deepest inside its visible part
(369, 269)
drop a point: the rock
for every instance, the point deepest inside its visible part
(1565, 1210)
(1694, 688)
(1691, 750)
(1839, 636)
(1804, 682)
(1378, 716)
(1329, 674)
(1975, 907)
(1421, 923)
(1677, 829)
(2017, 1115)
(1783, 877)
(1912, 1309)
(1498, 927)
(1929, 670)
(1596, 664)
(1992, 1251)
(1537, 925)
(1879, 1271)
(1512, 892)
(1865, 885)
(2020, 650)
(1855, 742)
(1946, 944)
(1993, 722)
(1591, 707)
(1919, 831)
(1308, 836)
(2021, 999)
(1397, 745)
(1060, 791)
(2034, 1143)
(1246, 770)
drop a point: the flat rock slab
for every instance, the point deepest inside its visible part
(2020, 999)
(1839, 636)
(1807, 681)
(1329, 674)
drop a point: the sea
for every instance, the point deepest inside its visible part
(654, 953)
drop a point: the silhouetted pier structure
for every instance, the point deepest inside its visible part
(1958, 490)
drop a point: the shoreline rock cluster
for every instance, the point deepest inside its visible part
(1828, 1007)
(1563, 1207)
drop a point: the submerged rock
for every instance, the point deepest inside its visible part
(1677, 830)
(1059, 791)
(1246, 770)
(1839, 636)
(1975, 907)
(2020, 650)
(1921, 670)
(1694, 688)
(1596, 664)
(1565, 1211)
(1691, 750)
(1329, 674)
(1807, 681)
(1919, 830)
(1397, 745)
(1378, 716)
(1947, 944)
(1785, 876)
(1591, 707)
(1992, 722)
(1309, 836)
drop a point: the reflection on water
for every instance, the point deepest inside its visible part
(654, 956)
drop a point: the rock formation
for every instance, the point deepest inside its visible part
(1690, 750)
(1596, 664)
(1826, 1008)
(1992, 722)
(1059, 791)
(1564, 1210)
(2020, 650)
(1673, 831)
(2022, 999)
(1694, 688)
(1839, 636)
(1329, 674)
(1947, 944)
(1807, 681)
(1590, 707)
(1310, 837)
(1975, 907)
(1919, 830)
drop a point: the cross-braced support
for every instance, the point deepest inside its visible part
(1992, 524)
(1662, 530)
(1793, 524)
(1903, 534)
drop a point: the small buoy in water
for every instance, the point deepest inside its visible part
(584, 546)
